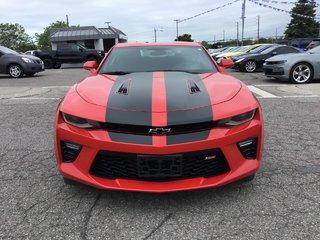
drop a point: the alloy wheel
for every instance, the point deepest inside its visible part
(250, 66)
(15, 71)
(301, 73)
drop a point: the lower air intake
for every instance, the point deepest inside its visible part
(159, 168)
(248, 148)
(69, 151)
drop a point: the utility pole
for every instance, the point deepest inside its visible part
(237, 33)
(177, 26)
(155, 34)
(223, 36)
(258, 28)
(243, 16)
(67, 20)
(276, 34)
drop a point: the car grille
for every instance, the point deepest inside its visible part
(271, 72)
(159, 168)
(144, 130)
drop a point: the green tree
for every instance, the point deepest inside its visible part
(184, 38)
(43, 38)
(14, 36)
(302, 26)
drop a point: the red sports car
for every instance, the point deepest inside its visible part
(158, 118)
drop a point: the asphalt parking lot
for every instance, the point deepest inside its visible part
(282, 202)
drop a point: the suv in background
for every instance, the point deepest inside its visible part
(314, 43)
(69, 53)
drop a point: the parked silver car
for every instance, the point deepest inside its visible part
(296, 67)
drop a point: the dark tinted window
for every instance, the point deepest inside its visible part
(284, 50)
(64, 47)
(158, 58)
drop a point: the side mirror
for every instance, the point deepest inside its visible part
(81, 49)
(91, 66)
(274, 53)
(226, 63)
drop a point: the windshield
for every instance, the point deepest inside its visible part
(268, 50)
(7, 50)
(157, 58)
(259, 49)
(314, 50)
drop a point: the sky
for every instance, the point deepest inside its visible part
(138, 18)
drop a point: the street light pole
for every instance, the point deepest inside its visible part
(243, 16)
(177, 26)
(155, 33)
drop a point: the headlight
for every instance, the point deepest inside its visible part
(80, 122)
(280, 62)
(236, 120)
(27, 60)
(239, 60)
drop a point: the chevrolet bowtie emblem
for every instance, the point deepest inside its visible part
(159, 131)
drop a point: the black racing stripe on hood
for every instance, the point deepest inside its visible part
(179, 98)
(133, 107)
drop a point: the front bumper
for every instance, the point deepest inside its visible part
(219, 138)
(32, 68)
(275, 70)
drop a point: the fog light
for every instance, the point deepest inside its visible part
(248, 148)
(70, 151)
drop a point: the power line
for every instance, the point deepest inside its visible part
(280, 10)
(211, 10)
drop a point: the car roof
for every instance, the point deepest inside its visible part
(189, 44)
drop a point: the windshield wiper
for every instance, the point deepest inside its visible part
(116, 73)
(186, 71)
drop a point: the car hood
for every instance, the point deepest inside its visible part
(290, 56)
(27, 56)
(139, 97)
(134, 91)
(244, 55)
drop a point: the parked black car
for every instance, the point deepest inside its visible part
(16, 65)
(254, 62)
(69, 53)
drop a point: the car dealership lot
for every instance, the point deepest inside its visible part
(282, 202)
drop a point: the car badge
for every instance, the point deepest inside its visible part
(159, 131)
(210, 157)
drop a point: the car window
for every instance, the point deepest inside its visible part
(314, 50)
(284, 50)
(269, 50)
(6, 50)
(260, 49)
(158, 58)
(64, 47)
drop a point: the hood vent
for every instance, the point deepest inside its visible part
(124, 88)
(192, 86)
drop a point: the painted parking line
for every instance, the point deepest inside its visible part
(261, 92)
(32, 98)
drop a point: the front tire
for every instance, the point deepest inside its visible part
(301, 73)
(250, 66)
(248, 179)
(70, 182)
(48, 64)
(57, 65)
(15, 71)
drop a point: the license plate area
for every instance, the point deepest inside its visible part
(150, 166)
